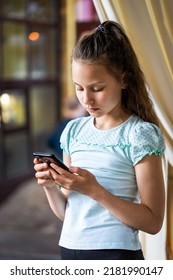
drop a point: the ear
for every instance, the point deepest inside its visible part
(123, 80)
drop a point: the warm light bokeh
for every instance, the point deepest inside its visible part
(34, 36)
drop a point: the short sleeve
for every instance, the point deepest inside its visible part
(66, 137)
(146, 139)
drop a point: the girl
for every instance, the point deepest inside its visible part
(115, 185)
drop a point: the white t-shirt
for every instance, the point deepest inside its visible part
(110, 155)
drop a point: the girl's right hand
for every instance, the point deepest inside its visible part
(43, 174)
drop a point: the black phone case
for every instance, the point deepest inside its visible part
(50, 158)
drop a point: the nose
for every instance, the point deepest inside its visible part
(87, 98)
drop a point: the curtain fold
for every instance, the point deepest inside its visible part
(155, 16)
(100, 10)
(167, 7)
(149, 26)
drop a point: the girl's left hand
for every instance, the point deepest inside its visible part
(78, 179)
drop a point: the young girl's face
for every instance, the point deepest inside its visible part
(97, 90)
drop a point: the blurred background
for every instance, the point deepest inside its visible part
(36, 39)
(37, 97)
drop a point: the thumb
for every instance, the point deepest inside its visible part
(75, 169)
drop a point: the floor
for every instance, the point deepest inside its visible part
(28, 228)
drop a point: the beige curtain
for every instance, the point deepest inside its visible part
(149, 25)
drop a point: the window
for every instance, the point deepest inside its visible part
(30, 41)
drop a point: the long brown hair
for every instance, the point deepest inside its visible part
(109, 45)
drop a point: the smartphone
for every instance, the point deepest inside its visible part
(50, 158)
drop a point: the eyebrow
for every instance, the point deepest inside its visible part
(76, 83)
(93, 84)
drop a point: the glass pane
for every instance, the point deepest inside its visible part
(13, 8)
(17, 162)
(1, 156)
(85, 11)
(14, 51)
(43, 50)
(13, 106)
(41, 9)
(43, 114)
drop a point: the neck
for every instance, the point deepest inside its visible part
(106, 122)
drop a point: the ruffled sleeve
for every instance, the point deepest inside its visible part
(145, 139)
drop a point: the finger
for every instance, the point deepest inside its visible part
(60, 170)
(45, 183)
(41, 166)
(36, 160)
(61, 179)
(57, 177)
(43, 174)
(78, 171)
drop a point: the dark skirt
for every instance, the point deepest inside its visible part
(110, 254)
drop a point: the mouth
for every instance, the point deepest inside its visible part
(92, 110)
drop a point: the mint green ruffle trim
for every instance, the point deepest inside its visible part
(157, 152)
(152, 151)
(122, 146)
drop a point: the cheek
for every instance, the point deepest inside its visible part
(112, 98)
(79, 97)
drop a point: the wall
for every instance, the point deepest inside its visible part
(169, 243)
